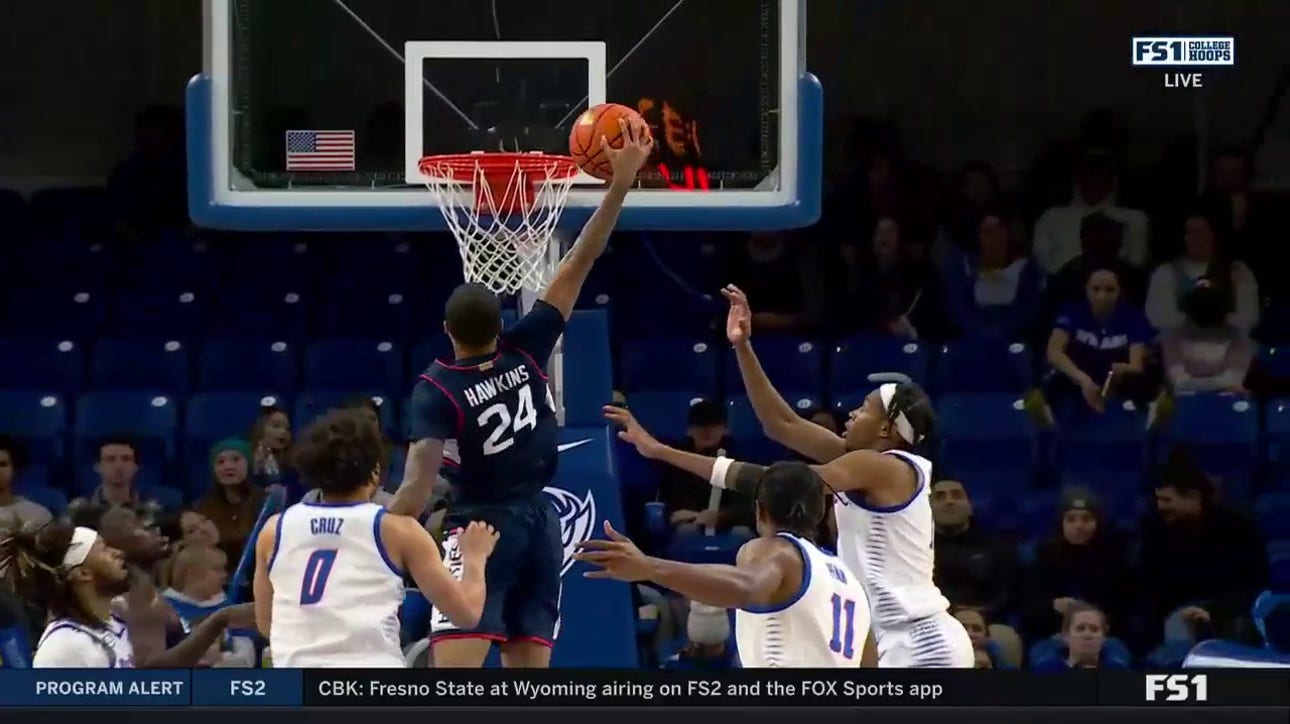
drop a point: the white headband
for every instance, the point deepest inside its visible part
(79, 549)
(903, 428)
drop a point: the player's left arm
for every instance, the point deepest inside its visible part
(433, 420)
(262, 587)
(869, 654)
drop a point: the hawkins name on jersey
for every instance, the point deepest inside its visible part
(481, 393)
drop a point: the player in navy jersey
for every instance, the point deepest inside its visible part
(487, 417)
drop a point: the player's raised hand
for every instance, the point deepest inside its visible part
(632, 432)
(618, 557)
(478, 540)
(739, 318)
(627, 161)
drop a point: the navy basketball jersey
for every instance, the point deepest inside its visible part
(495, 414)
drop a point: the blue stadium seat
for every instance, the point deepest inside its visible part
(140, 364)
(41, 364)
(39, 474)
(845, 403)
(1038, 514)
(1113, 441)
(588, 369)
(54, 314)
(54, 500)
(261, 313)
(986, 432)
(789, 362)
(336, 364)
(746, 431)
(1220, 430)
(310, 404)
(982, 366)
(853, 360)
(393, 313)
(1275, 361)
(158, 313)
(149, 417)
(38, 419)
(213, 416)
(1273, 514)
(669, 363)
(1000, 487)
(663, 413)
(246, 364)
(1281, 573)
(61, 264)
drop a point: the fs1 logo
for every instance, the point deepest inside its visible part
(1184, 50)
(1177, 687)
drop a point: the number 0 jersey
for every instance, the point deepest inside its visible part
(336, 594)
(824, 626)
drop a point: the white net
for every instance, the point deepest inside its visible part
(503, 213)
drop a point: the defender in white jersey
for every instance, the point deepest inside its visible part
(329, 574)
(797, 606)
(75, 576)
(884, 518)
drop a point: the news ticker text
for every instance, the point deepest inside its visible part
(746, 687)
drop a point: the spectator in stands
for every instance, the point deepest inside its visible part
(1098, 346)
(973, 566)
(196, 528)
(689, 504)
(15, 510)
(233, 503)
(1207, 352)
(707, 631)
(978, 195)
(1205, 255)
(373, 411)
(1057, 232)
(1230, 173)
(198, 575)
(1084, 560)
(1201, 563)
(996, 293)
(1084, 635)
(1101, 239)
(271, 440)
(117, 467)
(148, 190)
(772, 268)
(988, 655)
(891, 290)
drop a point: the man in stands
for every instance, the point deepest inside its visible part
(974, 567)
(16, 510)
(688, 501)
(117, 468)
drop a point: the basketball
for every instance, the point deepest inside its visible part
(584, 141)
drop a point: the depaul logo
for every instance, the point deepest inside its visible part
(577, 520)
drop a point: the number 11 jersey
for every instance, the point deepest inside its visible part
(336, 593)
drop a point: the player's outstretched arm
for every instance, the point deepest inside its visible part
(756, 579)
(413, 550)
(420, 470)
(778, 419)
(261, 587)
(627, 161)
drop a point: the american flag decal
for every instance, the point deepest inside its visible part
(320, 150)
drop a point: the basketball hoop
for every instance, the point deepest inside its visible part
(503, 209)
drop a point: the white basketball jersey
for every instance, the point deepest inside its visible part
(891, 549)
(67, 643)
(824, 626)
(336, 594)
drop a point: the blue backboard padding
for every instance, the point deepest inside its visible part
(206, 213)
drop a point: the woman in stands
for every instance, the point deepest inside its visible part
(1205, 255)
(1098, 346)
(1084, 638)
(996, 292)
(270, 440)
(1208, 353)
(74, 576)
(233, 503)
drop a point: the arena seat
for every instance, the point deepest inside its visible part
(246, 364)
(750, 442)
(129, 364)
(377, 311)
(354, 364)
(668, 363)
(1113, 441)
(987, 432)
(39, 420)
(789, 362)
(54, 314)
(150, 418)
(982, 366)
(854, 359)
(159, 314)
(313, 403)
(261, 312)
(1220, 430)
(663, 413)
(41, 364)
(1272, 511)
(213, 416)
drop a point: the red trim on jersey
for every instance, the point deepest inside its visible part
(452, 636)
(461, 415)
(531, 640)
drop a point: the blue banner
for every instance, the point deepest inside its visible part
(95, 687)
(247, 687)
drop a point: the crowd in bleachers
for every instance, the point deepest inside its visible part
(1104, 364)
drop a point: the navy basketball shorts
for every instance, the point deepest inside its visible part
(522, 577)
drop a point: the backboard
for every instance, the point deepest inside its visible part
(313, 114)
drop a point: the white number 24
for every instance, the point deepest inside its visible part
(508, 425)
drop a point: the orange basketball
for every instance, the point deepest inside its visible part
(584, 141)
